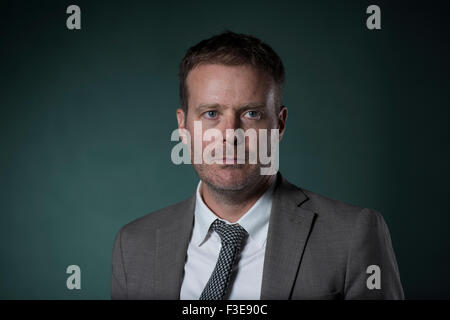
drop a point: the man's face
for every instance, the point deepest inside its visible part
(230, 97)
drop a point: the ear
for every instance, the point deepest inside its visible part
(180, 118)
(181, 124)
(282, 117)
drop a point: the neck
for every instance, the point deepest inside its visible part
(231, 206)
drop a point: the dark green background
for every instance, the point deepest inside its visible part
(86, 118)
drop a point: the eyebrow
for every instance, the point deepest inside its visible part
(209, 106)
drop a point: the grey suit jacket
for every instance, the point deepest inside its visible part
(317, 248)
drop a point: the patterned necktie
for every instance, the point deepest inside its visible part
(232, 236)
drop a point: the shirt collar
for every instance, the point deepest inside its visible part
(255, 221)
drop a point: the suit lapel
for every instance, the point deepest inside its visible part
(172, 242)
(289, 228)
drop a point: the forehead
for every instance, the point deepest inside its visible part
(228, 85)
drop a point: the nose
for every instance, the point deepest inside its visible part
(230, 123)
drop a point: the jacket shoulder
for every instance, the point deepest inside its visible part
(157, 219)
(340, 213)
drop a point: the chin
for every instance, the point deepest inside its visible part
(226, 177)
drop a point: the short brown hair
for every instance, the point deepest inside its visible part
(229, 48)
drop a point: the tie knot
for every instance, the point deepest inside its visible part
(229, 233)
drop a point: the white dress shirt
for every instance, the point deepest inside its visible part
(204, 247)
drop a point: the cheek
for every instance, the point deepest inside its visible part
(198, 140)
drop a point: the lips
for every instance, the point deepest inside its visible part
(232, 160)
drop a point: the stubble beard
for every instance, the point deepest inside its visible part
(243, 181)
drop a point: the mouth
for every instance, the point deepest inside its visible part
(232, 160)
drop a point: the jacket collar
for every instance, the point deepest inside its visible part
(289, 229)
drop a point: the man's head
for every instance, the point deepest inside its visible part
(231, 81)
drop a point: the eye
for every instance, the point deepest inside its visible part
(211, 114)
(253, 115)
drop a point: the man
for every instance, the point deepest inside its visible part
(243, 234)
